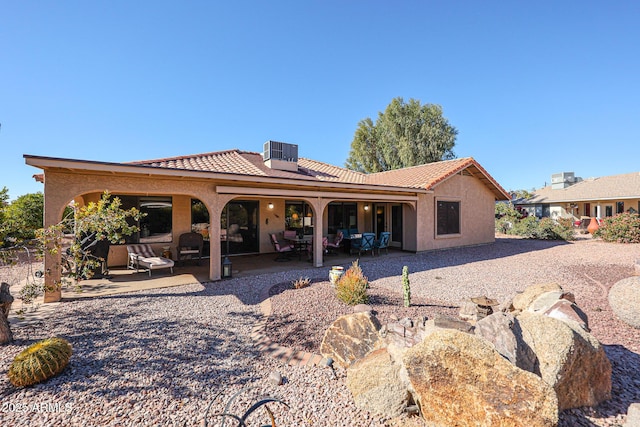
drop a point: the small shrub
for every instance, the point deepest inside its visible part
(406, 288)
(622, 228)
(352, 286)
(301, 282)
(549, 229)
(525, 227)
(40, 361)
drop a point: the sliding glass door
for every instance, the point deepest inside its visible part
(239, 227)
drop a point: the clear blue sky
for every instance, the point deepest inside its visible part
(534, 88)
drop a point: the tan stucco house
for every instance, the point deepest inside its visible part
(238, 198)
(569, 196)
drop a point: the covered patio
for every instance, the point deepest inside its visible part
(239, 200)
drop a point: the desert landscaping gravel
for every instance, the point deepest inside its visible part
(160, 357)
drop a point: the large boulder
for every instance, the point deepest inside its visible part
(624, 299)
(350, 337)
(570, 359)
(460, 379)
(377, 384)
(504, 332)
(523, 300)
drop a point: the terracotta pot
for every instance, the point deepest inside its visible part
(593, 226)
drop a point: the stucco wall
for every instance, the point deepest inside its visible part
(477, 208)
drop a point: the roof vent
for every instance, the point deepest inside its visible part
(280, 155)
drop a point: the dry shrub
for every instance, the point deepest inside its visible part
(352, 286)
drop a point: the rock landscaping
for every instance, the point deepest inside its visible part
(160, 357)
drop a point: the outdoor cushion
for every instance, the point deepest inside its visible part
(142, 256)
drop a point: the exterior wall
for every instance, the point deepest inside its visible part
(477, 208)
(419, 234)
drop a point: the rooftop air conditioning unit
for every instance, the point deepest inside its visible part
(280, 155)
(562, 180)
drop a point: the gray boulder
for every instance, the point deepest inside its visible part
(504, 332)
(523, 300)
(624, 299)
(570, 359)
(377, 384)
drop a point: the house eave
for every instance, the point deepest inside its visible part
(75, 165)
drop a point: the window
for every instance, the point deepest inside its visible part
(156, 225)
(342, 216)
(619, 207)
(298, 216)
(608, 210)
(448, 218)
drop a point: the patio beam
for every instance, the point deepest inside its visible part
(365, 196)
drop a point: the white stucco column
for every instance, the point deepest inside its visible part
(318, 205)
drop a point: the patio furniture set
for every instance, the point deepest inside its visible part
(350, 241)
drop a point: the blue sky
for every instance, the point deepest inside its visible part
(533, 88)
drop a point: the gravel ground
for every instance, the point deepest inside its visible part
(160, 357)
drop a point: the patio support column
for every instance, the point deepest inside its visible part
(215, 203)
(318, 206)
(54, 204)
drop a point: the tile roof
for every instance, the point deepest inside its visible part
(612, 187)
(421, 176)
(249, 163)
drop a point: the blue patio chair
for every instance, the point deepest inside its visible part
(383, 243)
(354, 243)
(367, 243)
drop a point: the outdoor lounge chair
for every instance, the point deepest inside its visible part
(284, 250)
(333, 247)
(141, 257)
(189, 246)
(383, 243)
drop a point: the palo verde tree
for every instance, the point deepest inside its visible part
(405, 134)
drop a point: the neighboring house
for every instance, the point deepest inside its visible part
(571, 197)
(237, 198)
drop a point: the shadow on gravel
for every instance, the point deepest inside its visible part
(137, 346)
(625, 390)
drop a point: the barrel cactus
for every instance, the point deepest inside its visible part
(40, 361)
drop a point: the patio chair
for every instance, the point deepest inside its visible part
(383, 243)
(325, 243)
(190, 245)
(355, 242)
(367, 243)
(333, 247)
(284, 250)
(141, 257)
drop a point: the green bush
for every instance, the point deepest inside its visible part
(39, 362)
(549, 229)
(510, 221)
(622, 228)
(352, 286)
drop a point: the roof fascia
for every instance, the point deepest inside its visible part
(112, 168)
(496, 187)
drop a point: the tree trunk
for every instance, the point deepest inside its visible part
(5, 305)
